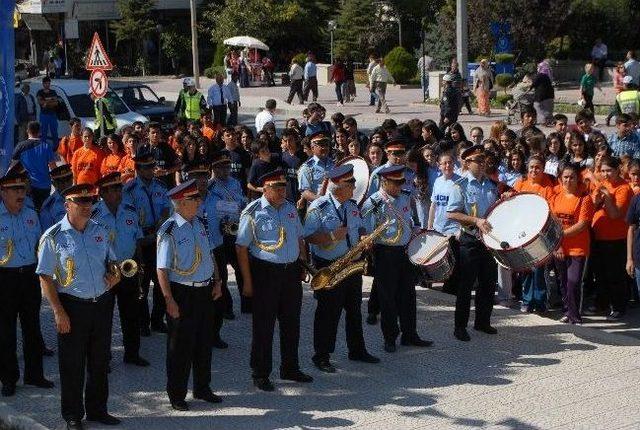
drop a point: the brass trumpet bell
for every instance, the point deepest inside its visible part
(128, 268)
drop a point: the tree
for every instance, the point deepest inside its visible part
(360, 30)
(176, 45)
(136, 24)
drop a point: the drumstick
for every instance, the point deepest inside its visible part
(503, 244)
(439, 247)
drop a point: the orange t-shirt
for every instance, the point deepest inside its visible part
(571, 209)
(68, 145)
(606, 228)
(544, 188)
(127, 168)
(210, 132)
(111, 163)
(85, 165)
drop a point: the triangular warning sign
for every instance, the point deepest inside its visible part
(97, 57)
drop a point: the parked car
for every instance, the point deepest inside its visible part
(74, 101)
(142, 99)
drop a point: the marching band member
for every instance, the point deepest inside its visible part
(72, 264)
(333, 226)
(20, 295)
(313, 172)
(269, 244)
(186, 273)
(52, 209)
(468, 203)
(121, 220)
(149, 196)
(394, 273)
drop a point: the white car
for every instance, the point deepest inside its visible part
(74, 101)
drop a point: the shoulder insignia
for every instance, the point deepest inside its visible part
(354, 201)
(460, 182)
(95, 213)
(53, 231)
(251, 207)
(48, 201)
(167, 229)
(407, 192)
(130, 207)
(323, 204)
(128, 187)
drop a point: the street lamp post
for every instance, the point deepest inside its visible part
(194, 44)
(332, 28)
(399, 31)
(462, 36)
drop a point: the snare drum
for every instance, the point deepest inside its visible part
(526, 223)
(437, 266)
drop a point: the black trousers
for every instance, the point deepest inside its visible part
(219, 114)
(295, 89)
(277, 293)
(128, 299)
(396, 278)
(20, 298)
(189, 341)
(609, 257)
(310, 85)
(476, 264)
(230, 258)
(233, 113)
(159, 307)
(85, 350)
(219, 305)
(346, 295)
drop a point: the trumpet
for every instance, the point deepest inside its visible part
(229, 228)
(127, 268)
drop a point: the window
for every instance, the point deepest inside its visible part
(82, 105)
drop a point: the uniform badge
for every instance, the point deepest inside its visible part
(99, 239)
(30, 222)
(129, 222)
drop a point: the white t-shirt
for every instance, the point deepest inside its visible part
(632, 68)
(262, 118)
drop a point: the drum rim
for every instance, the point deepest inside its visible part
(357, 157)
(419, 233)
(496, 204)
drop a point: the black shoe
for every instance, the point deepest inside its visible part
(74, 424)
(8, 390)
(219, 344)
(390, 346)
(48, 352)
(372, 319)
(137, 361)
(295, 375)
(485, 329)
(229, 315)
(160, 327)
(145, 332)
(180, 405)
(416, 341)
(106, 419)
(461, 334)
(364, 357)
(263, 384)
(40, 383)
(324, 365)
(208, 397)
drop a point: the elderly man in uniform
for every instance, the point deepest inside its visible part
(313, 172)
(394, 272)
(20, 295)
(186, 276)
(121, 219)
(468, 204)
(269, 244)
(149, 196)
(76, 277)
(52, 209)
(333, 226)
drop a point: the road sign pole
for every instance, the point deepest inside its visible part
(101, 117)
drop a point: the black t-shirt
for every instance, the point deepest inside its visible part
(291, 164)
(260, 167)
(165, 158)
(47, 95)
(240, 163)
(543, 88)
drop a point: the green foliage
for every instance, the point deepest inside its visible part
(504, 58)
(176, 45)
(136, 22)
(502, 99)
(401, 65)
(525, 69)
(300, 58)
(358, 29)
(218, 56)
(504, 80)
(211, 72)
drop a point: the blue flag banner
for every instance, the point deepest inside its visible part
(7, 72)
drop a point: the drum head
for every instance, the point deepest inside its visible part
(421, 246)
(517, 220)
(361, 173)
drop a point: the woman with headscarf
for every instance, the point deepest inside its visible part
(482, 84)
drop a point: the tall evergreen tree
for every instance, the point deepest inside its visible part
(135, 25)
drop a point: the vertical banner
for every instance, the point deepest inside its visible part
(7, 72)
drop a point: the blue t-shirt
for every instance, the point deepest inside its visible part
(633, 217)
(442, 189)
(35, 155)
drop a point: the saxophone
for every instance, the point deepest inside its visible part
(329, 277)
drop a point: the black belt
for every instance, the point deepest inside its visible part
(194, 284)
(21, 269)
(82, 300)
(282, 266)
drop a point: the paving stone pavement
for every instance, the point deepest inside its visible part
(535, 374)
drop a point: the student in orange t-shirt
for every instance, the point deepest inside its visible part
(534, 288)
(69, 144)
(611, 201)
(112, 160)
(86, 161)
(574, 209)
(127, 167)
(210, 129)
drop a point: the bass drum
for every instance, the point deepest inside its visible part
(526, 224)
(432, 252)
(361, 174)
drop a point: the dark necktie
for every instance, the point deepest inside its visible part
(221, 95)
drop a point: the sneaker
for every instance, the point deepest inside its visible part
(525, 309)
(564, 319)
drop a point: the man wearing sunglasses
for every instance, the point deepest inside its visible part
(72, 264)
(121, 219)
(313, 172)
(396, 156)
(149, 196)
(469, 202)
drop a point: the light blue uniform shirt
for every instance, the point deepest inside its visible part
(178, 240)
(209, 218)
(123, 227)
(227, 198)
(376, 210)
(374, 181)
(24, 231)
(326, 214)
(509, 177)
(312, 173)
(52, 210)
(310, 70)
(150, 200)
(261, 223)
(89, 250)
(471, 196)
(442, 190)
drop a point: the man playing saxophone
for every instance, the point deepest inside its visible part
(332, 227)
